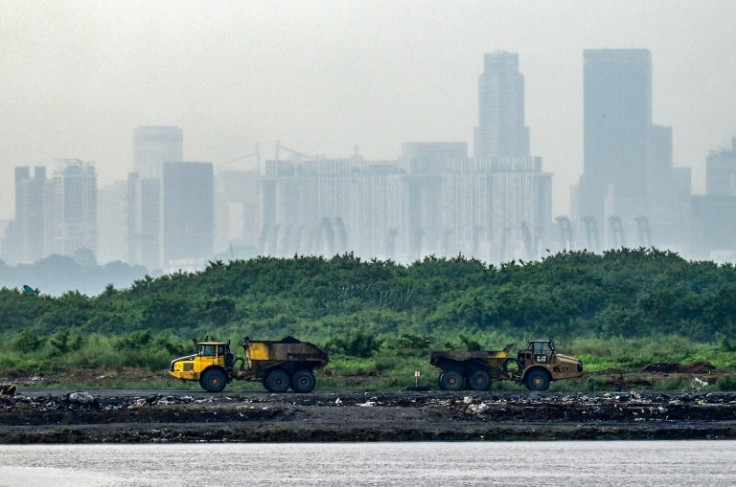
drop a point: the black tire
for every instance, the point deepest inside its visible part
(277, 381)
(213, 380)
(303, 381)
(451, 380)
(479, 380)
(537, 380)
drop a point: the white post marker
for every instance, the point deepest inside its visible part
(417, 374)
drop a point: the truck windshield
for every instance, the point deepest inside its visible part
(207, 350)
(541, 347)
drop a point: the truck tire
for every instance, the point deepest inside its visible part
(479, 380)
(537, 380)
(303, 381)
(451, 380)
(277, 381)
(213, 380)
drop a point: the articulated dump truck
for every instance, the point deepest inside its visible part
(536, 366)
(277, 364)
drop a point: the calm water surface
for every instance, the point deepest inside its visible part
(630, 463)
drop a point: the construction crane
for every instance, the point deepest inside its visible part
(256, 153)
(280, 147)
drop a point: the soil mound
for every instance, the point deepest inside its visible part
(663, 368)
(696, 367)
(699, 367)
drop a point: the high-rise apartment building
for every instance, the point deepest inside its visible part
(188, 214)
(237, 211)
(720, 172)
(714, 214)
(154, 146)
(501, 130)
(510, 211)
(305, 206)
(70, 209)
(112, 213)
(23, 240)
(144, 221)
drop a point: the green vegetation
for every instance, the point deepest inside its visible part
(617, 311)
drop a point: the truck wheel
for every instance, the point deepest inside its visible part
(451, 380)
(479, 381)
(303, 381)
(277, 381)
(537, 380)
(213, 380)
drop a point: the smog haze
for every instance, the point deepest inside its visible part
(324, 77)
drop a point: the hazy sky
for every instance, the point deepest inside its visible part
(77, 77)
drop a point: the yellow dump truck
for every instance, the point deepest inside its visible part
(536, 366)
(277, 364)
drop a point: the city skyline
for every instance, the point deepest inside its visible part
(432, 200)
(256, 74)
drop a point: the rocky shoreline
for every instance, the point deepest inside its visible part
(140, 417)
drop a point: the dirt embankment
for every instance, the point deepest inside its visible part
(403, 416)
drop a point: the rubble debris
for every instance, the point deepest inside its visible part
(389, 416)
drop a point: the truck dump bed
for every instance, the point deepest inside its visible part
(459, 356)
(287, 350)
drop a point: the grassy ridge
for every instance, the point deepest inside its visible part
(617, 311)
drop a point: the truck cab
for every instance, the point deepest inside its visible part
(210, 363)
(540, 364)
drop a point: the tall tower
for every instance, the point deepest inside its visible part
(154, 146)
(501, 130)
(70, 202)
(502, 199)
(188, 214)
(23, 241)
(617, 99)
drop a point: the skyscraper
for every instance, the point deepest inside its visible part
(188, 214)
(617, 99)
(70, 209)
(628, 182)
(501, 130)
(154, 146)
(24, 238)
(510, 212)
(714, 215)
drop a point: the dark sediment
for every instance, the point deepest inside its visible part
(351, 416)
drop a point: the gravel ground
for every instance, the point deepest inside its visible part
(142, 417)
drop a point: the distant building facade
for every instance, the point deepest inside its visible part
(432, 200)
(54, 214)
(24, 241)
(112, 213)
(714, 214)
(501, 129)
(70, 209)
(154, 146)
(629, 194)
(188, 214)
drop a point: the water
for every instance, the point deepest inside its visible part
(651, 463)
